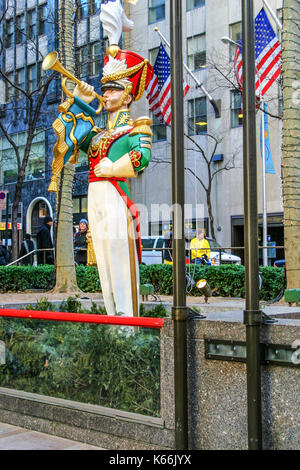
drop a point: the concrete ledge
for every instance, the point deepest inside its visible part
(91, 424)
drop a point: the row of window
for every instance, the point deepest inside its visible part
(36, 163)
(197, 116)
(88, 59)
(36, 25)
(157, 8)
(33, 77)
(88, 63)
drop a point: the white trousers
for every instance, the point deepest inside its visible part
(107, 214)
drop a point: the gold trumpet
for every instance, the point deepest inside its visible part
(51, 62)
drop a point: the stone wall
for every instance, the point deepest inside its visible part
(217, 394)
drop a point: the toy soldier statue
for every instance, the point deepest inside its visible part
(114, 154)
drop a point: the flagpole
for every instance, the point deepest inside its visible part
(199, 84)
(272, 14)
(264, 195)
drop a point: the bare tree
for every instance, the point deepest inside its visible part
(65, 266)
(28, 108)
(207, 177)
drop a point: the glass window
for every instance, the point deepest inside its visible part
(235, 33)
(20, 28)
(31, 23)
(148, 242)
(76, 205)
(82, 9)
(156, 10)
(31, 77)
(94, 6)
(196, 50)
(83, 204)
(191, 4)
(42, 19)
(95, 52)
(19, 81)
(9, 32)
(81, 61)
(197, 117)
(9, 88)
(159, 129)
(152, 54)
(236, 108)
(36, 162)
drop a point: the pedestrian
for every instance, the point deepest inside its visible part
(44, 241)
(27, 246)
(199, 247)
(80, 243)
(4, 255)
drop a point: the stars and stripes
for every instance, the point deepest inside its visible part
(267, 56)
(158, 91)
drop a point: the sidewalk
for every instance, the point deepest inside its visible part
(214, 304)
(15, 438)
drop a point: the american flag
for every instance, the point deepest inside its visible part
(158, 91)
(267, 56)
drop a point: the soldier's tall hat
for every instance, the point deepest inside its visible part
(122, 69)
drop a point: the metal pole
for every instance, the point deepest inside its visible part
(264, 190)
(252, 314)
(266, 4)
(6, 226)
(179, 310)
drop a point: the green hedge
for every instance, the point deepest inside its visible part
(225, 280)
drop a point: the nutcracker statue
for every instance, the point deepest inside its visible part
(115, 153)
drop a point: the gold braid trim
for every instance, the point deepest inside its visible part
(142, 125)
(124, 73)
(59, 151)
(142, 82)
(128, 73)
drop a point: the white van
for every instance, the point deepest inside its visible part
(152, 252)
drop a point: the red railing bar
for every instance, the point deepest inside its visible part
(145, 322)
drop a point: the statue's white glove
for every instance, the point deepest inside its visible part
(104, 169)
(85, 92)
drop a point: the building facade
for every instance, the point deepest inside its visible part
(218, 139)
(213, 144)
(29, 30)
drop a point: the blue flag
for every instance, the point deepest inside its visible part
(268, 155)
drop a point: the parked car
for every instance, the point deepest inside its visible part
(226, 258)
(152, 251)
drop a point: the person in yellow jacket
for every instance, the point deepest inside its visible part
(199, 247)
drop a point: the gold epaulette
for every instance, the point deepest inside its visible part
(142, 125)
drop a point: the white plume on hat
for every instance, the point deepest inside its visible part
(114, 20)
(113, 66)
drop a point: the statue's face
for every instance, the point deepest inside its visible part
(113, 98)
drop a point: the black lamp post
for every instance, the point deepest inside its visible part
(252, 314)
(179, 310)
